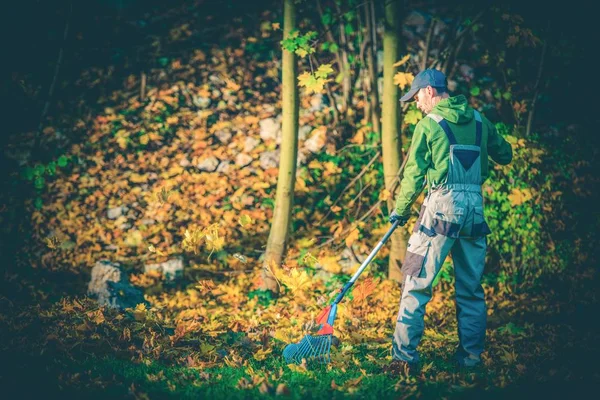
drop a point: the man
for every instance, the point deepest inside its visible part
(449, 152)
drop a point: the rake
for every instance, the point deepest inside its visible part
(317, 348)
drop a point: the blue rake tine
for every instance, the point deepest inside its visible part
(311, 348)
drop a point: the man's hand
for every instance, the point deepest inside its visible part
(394, 216)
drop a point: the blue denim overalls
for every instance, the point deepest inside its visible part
(450, 221)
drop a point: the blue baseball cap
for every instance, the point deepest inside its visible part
(428, 77)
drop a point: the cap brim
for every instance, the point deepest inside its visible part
(409, 96)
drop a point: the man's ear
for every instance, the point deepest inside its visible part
(430, 91)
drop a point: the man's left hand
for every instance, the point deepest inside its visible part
(394, 216)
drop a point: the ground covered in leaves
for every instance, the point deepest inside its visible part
(214, 340)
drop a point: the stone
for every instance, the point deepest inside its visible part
(303, 131)
(208, 164)
(316, 141)
(114, 213)
(224, 135)
(250, 144)
(171, 269)
(242, 160)
(224, 167)
(110, 287)
(316, 102)
(270, 129)
(201, 102)
(184, 162)
(269, 159)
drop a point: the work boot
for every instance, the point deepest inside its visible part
(401, 368)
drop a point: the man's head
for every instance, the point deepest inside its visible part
(427, 89)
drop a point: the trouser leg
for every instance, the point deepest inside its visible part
(416, 293)
(468, 255)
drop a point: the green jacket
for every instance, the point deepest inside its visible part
(429, 154)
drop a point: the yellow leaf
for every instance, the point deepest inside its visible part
(305, 243)
(330, 264)
(153, 249)
(300, 368)
(206, 349)
(139, 312)
(134, 239)
(301, 52)
(352, 237)
(335, 208)
(144, 139)
(304, 79)
(359, 137)
(96, 317)
(275, 26)
(138, 178)
(403, 79)
(323, 71)
(122, 141)
(519, 196)
(295, 280)
(384, 195)
(245, 220)
(261, 354)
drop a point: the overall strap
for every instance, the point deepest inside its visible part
(478, 128)
(442, 122)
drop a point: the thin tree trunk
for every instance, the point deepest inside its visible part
(372, 68)
(423, 64)
(346, 70)
(143, 87)
(390, 138)
(38, 137)
(284, 197)
(536, 91)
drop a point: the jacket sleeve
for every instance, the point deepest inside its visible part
(419, 159)
(498, 148)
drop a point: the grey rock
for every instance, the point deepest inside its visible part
(201, 102)
(270, 129)
(303, 131)
(316, 102)
(184, 162)
(269, 159)
(250, 143)
(316, 141)
(224, 135)
(171, 269)
(110, 287)
(114, 213)
(208, 164)
(242, 160)
(224, 167)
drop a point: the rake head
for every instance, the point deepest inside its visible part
(312, 348)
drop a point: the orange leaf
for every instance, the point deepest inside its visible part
(363, 290)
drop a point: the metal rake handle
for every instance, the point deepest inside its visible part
(365, 263)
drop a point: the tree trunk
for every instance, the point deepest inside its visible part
(390, 137)
(375, 112)
(284, 197)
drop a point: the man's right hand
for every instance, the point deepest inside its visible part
(394, 216)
